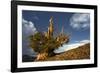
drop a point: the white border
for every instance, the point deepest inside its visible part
(52, 63)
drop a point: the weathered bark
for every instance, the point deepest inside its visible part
(44, 55)
(41, 56)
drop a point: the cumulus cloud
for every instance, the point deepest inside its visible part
(80, 20)
(67, 47)
(28, 27)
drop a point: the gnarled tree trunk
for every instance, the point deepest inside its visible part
(41, 56)
(44, 55)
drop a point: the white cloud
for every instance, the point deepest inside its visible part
(80, 20)
(28, 27)
(67, 47)
(85, 41)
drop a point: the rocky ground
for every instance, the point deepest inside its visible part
(82, 52)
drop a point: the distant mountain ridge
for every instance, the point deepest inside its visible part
(27, 58)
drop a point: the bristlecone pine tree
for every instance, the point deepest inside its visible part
(45, 43)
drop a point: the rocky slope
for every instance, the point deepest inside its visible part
(82, 52)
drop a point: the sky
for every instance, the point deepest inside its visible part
(77, 25)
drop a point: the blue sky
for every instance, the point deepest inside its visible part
(75, 24)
